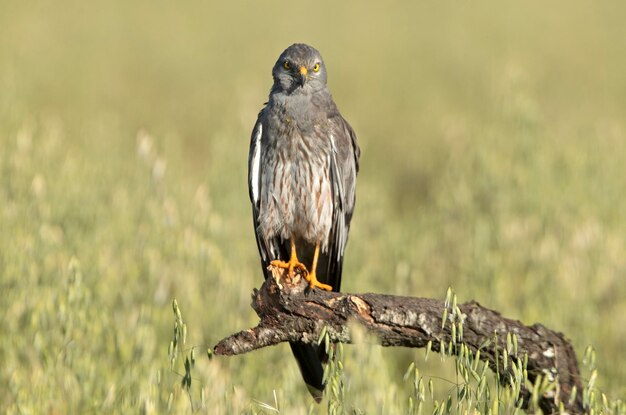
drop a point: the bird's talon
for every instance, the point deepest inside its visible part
(314, 282)
(290, 266)
(280, 264)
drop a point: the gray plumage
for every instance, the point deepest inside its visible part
(302, 172)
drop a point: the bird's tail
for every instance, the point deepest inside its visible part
(310, 363)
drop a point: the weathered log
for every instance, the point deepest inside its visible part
(289, 311)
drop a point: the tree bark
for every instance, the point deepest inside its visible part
(289, 311)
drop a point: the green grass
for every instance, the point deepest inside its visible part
(493, 141)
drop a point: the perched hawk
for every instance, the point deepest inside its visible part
(302, 170)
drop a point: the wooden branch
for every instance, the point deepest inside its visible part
(289, 312)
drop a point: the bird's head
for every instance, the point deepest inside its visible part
(299, 69)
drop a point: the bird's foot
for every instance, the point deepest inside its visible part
(314, 282)
(290, 265)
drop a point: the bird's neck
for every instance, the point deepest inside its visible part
(302, 111)
(297, 101)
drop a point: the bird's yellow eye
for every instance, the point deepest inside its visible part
(316, 68)
(286, 65)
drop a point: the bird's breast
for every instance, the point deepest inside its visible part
(298, 196)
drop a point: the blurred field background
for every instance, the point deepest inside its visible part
(493, 141)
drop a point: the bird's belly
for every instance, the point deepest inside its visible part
(300, 202)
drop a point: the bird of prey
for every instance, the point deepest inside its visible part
(302, 170)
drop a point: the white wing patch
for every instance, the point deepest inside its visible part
(256, 165)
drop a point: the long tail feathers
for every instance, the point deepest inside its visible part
(308, 358)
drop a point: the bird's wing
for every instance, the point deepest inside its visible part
(344, 166)
(268, 249)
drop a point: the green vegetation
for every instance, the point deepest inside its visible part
(493, 140)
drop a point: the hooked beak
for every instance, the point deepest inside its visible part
(302, 75)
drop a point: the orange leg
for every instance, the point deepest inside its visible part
(311, 277)
(293, 262)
